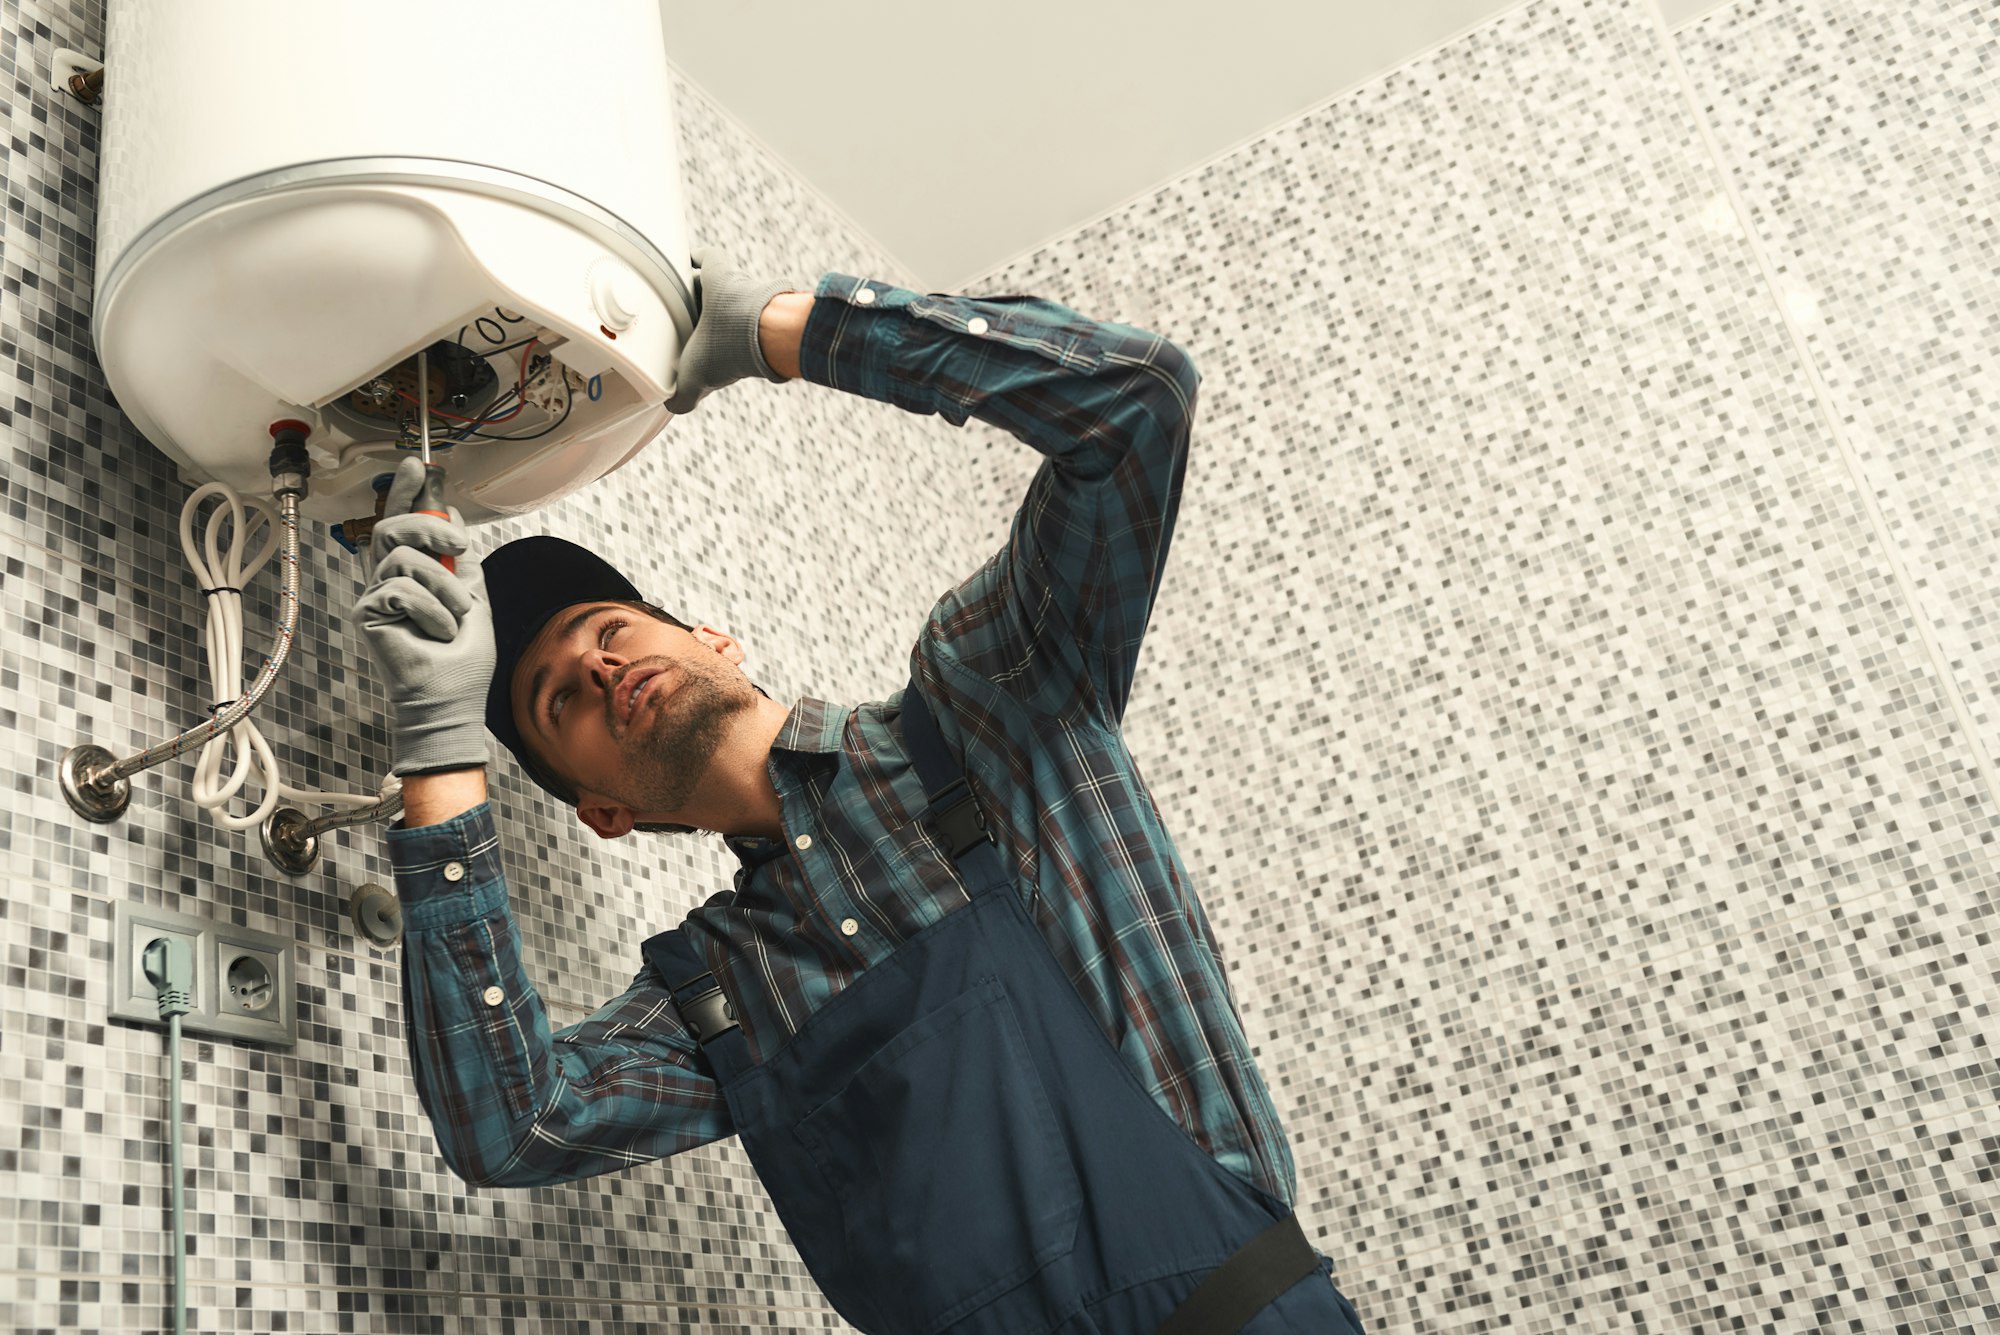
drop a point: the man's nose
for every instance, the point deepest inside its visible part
(602, 666)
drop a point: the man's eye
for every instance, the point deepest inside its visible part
(556, 706)
(604, 636)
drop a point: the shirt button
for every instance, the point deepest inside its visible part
(976, 325)
(864, 295)
(494, 996)
(454, 871)
(804, 841)
(849, 926)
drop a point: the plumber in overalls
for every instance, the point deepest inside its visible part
(963, 1008)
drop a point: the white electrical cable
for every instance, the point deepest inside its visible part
(222, 576)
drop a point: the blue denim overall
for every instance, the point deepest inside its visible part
(955, 1146)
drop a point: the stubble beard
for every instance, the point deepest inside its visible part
(672, 742)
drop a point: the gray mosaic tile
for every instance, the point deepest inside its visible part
(305, 1169)
(515, 1316)
(1862, 138)
(1596, 858)
(145, 1307)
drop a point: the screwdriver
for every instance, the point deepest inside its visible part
(431, 500)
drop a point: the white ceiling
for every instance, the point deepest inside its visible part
(961, 136)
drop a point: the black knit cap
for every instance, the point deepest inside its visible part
(528, 581)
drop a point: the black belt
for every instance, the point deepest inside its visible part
(1246, 1283)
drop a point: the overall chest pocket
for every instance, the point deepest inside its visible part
(953, 1180)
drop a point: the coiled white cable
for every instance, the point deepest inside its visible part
(222, 576)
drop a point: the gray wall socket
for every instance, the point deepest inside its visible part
(255, 1001)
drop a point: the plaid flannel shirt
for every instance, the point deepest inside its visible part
(1026, 665)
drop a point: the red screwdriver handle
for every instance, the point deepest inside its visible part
(448, 562)
(432, 503)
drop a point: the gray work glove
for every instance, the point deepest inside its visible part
(431, 630)
(724, 347)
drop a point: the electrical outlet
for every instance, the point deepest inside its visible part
(243, 983)
(248, 981)
(253, 985)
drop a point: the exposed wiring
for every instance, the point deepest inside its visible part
(569, 401)
(472, 432)
(222, 574)
(465, 432)
(519, 390)
(521, 383)
(468, 428)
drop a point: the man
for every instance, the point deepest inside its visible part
(962, 1008)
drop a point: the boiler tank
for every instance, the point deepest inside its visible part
(298, 199)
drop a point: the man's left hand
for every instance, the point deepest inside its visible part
(725, 346)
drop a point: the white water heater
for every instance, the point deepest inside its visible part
(296, 200)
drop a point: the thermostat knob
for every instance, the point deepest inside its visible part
(615, 294)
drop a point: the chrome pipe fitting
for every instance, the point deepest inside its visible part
(291, 838)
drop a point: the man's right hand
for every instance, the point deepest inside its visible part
(431, 632)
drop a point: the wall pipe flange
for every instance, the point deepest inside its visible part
(100, 802)
(377, 913)
(288, 842)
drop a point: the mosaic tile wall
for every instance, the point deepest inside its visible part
(1567, 691)
(1568, 688)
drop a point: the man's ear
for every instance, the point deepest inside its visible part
(722, 642)
(611, 820)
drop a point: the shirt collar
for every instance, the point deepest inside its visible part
(813, 727)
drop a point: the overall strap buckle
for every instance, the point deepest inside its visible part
(710, 1013)
(957, 820)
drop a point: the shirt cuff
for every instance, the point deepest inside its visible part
(448, 872)
(847, 344)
